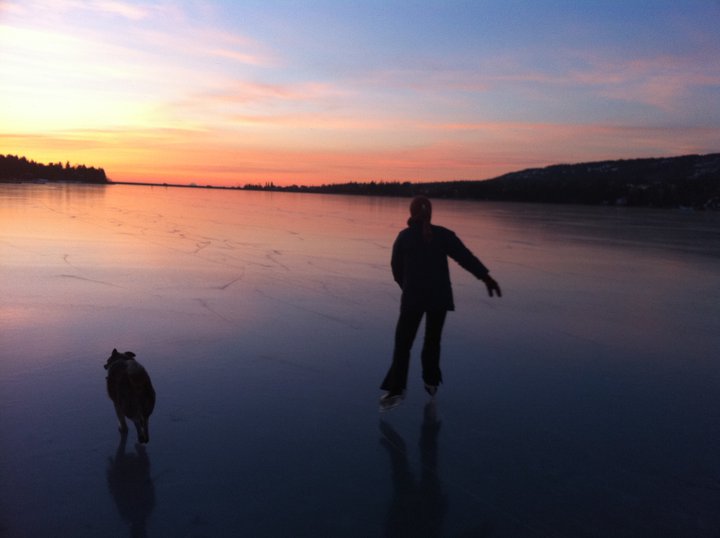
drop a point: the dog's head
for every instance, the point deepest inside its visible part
(117, 356)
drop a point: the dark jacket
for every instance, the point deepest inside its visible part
(420, 267)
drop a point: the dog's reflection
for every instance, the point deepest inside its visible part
(418, 506)
(129, 480)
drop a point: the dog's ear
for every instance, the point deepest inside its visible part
(115, 352)
(130, 354)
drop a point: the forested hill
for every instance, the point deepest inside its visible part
(15, 169)
(687, 181)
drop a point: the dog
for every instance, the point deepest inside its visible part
(131, 391)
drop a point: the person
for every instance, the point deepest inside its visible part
(420, 266)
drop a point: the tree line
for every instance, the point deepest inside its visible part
(17, 169)
(685, 181)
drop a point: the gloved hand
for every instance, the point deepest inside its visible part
(492, 286)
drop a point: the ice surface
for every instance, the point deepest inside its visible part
(585, 402)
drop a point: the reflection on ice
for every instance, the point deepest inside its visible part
(418, 506)
(266, 320)
(131, 486)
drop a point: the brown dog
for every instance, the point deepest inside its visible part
(131, 391)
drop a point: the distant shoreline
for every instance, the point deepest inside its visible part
(689, 181)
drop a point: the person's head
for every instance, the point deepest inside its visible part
(420, 209)
(421, 212)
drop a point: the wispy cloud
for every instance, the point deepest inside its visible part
(241, 91)
(123, 9)
(130, 11)
(242, 57)
(659, 81)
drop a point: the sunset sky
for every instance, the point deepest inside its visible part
(236, 92)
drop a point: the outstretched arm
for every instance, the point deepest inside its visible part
(468, 261)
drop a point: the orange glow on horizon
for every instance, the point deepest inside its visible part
(197, 93)
(191, 156)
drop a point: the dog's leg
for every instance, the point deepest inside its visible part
(123, 427)
(141, 427)
(120, 454)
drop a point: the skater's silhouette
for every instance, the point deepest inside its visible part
(420, 267)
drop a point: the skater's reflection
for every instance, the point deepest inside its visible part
(129, 480)
(418, 507)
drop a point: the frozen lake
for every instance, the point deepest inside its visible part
(585, 402)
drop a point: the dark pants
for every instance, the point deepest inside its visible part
(407, 327)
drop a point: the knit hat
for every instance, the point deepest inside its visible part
(421, 211)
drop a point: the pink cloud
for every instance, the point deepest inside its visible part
(243, 91)
(242, 57)
(124, 9)
(658, 81)
(312, 120)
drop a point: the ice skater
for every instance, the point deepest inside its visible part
(419, 265)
